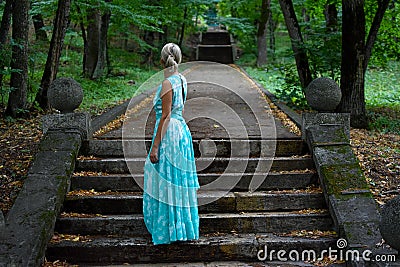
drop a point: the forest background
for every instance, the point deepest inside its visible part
(112, 46)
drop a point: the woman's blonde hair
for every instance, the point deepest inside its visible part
(171, 55)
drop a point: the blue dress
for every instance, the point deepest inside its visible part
(170, 185)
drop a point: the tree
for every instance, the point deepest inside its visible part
(262, 32)
(17, 100)
(294, 30)
(4, 29)
(60, 23)
(356, 52)
(38, 23)
(95, 58)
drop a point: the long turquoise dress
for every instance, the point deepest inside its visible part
(170, 185)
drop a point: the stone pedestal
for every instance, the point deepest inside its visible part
(390, 223)
(65, 95)
(326, 120)
(67, 122)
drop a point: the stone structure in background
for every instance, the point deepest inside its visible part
(323, 94)
(65, 95)
(216, 46)
(390, 223)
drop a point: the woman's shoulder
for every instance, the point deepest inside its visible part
(175, 79)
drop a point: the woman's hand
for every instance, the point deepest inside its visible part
(154, 154)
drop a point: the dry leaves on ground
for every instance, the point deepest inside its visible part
(379, 156)
(57, 264)
(18, 145)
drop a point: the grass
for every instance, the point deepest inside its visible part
(123, 82)
(382, 92)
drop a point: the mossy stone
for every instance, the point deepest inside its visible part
(390, 223)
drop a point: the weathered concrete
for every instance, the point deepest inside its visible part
(135, 148)
(325, 119)
(65, 94)
(30, 222)
(223, 247)
(216, 46)
(125, 183)
(390, 223)
(345, 188)
(228, 165)
(294, 116)
(254, 222)
(323, 94)
(2, 220)
(67, 122)
(101, 120)
(122, 203)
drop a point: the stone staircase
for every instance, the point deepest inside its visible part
(233, 135)
(216, 46)
(102, 221)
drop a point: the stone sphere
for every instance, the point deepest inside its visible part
(390, 223)
(323, 94)
(65, 94)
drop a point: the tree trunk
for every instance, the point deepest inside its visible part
(17, 100)
(183, 27)
(84, 36)
(262, 33)
(4, 30)
(60, 23)
(38, 24)
(272, 28)
(300, 54)
(353, 57)
(6, 22)
(373, 32)
(96, 53)
(331, 17)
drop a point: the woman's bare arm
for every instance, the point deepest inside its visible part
(166, 97)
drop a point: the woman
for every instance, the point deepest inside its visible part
(170, 178)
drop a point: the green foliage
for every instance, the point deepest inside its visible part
(243, 30)
(291, 91)
(104, 93)
(382, 87)
(283, 83)
(382, 92)
(323, 49)
(386, 121)
(387, 45)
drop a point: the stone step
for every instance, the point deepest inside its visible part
(216, 38)
(212, 201)
(133, 225)
(216, 53)
(223, 247)
(126, 182)
(206, 147)
(221, 264)
(204, 165)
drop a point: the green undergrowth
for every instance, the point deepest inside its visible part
(121, 84)
(382, 93)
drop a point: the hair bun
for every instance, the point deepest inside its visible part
(171, 55)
